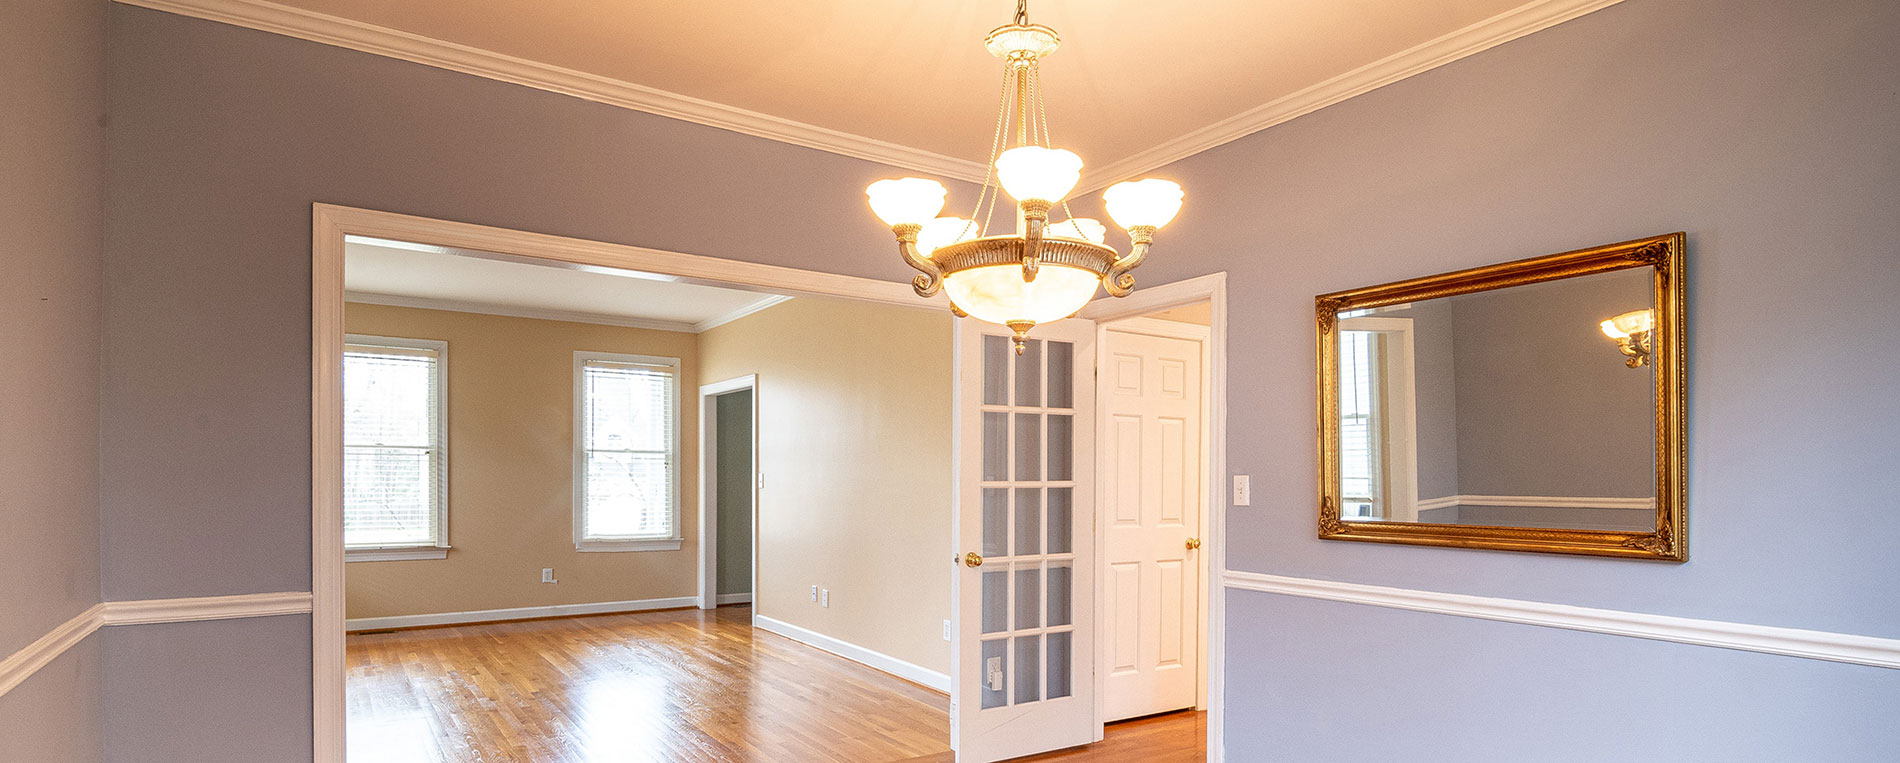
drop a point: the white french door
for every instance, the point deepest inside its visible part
(1022, 666)
(1151, 510)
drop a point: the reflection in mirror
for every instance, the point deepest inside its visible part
(1505, 407)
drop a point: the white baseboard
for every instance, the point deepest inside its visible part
(517, 613)
(733, 598)
(916, 674)
(1792, 642)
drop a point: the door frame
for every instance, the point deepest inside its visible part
(709, 486)
(1211, 288)
(330, 226)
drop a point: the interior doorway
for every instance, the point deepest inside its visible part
(1152, 381)
(729, 491)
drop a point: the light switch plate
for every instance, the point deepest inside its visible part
(1243, 490)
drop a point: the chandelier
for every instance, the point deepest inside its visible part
(1043, 271)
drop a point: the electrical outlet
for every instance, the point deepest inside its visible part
(1243, 490)
(824, 598)
(946, 630)
(814, 593)
(547, 575)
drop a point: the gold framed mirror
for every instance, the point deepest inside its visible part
(1534, 405)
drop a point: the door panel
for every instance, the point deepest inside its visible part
(1022, 672)
(1152, 411)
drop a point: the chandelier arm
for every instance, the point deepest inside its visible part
(1118, 282)
(928, 284)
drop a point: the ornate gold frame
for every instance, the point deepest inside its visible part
(1669, 541)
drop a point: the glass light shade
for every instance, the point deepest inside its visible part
(942, 232)
(909, 200)
(1633, 322)
(1080, 228)
(998, 293)
(1148, 202)
(1034, 172)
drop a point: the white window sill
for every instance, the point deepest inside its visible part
(395, 554)
(653, 544)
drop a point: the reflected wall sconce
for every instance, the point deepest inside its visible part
(1632, 332)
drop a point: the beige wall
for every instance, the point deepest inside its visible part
(854, 446)
(511, 459)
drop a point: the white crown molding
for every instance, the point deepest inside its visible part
(1507, 26)
(1767, 639)
(518, 613)
(1537, 502)
(22, 664)
(460, 306)
(721, 320)
(911, 672)
(415, 48)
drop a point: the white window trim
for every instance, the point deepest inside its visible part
(1401, 398)
(439, 549)
(674, 539)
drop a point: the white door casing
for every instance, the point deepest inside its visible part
(1150, 396)
(1022, 665)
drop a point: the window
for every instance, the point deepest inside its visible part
(1378, 452)
(626, 452)
(1360, 434)
(395, 449)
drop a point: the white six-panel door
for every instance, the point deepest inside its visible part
(1151, 399)
(1022, 665)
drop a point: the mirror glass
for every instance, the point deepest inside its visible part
(1528, 406)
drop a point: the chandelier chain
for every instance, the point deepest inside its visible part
(1022, 12)
(979, 215)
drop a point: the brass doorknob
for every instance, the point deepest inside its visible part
(1193, 543)
(972, 560)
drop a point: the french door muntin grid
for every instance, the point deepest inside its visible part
(1028, 493)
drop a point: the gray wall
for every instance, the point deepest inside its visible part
(735, 491)
(1545, 405)
(52, 176)
(53, 716)
(1765, 129)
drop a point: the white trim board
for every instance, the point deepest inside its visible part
(1791, 642)
(733, 598)
(20, 665)
(455, 57)
(1534, 16)
(1537, 502)
(913, 673)
(516, 613)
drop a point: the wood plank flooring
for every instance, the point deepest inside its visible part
(675, 686)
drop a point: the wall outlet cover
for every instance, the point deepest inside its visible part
(1243, 490)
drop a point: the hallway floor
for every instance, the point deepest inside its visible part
(672, 686)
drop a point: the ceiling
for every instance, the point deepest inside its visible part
(1132, 75)
(387, 272)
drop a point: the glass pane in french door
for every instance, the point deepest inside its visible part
(1028, 420)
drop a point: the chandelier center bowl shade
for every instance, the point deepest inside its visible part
(1042, 271)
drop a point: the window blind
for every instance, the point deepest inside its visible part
(627, 444)
(392, 447)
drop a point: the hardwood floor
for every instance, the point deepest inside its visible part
(682, 685)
